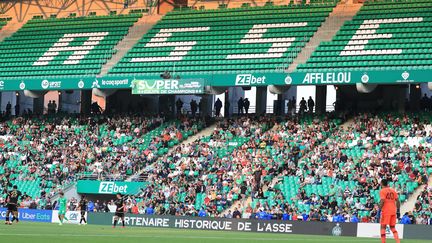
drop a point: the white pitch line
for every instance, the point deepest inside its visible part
(177, 236)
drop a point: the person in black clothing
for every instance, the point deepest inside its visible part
(83, 209)
(246, 104)
(240, 104)
(218, 107)
(236, 214)
(12, 205)
(311, 104)
(119, 202)
(302, 106)
(8, 109)
(17, 109)
(194, 107)
(179, 105)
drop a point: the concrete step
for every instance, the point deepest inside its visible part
(341, 13)
(9, 29)
(409, 204)
(141, 27)
(203, 133)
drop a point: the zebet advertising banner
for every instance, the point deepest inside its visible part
(167, 86)
(245, 225)
(30, 215)
(109, 187)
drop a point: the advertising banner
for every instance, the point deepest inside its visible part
(109, 187)
(33, 215)
(195, 83)
(422, 232)
(245, 225)
(167, 86)
(372, 230)
(73, 217)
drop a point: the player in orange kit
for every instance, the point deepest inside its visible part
(390, 210)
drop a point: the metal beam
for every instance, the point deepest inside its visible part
(6, 6)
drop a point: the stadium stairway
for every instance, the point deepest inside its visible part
(341, 13)
(203, 133)
(135, 33)
(408, 205)
(243, 203)
(240, 204)
(10, 28)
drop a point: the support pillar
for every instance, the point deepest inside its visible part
(226, 103)
(205, 105)
(320, 99)
(415, 96)
(261, 100)
(279, 106)
(86, 98)
(400, 102)
(38, 105)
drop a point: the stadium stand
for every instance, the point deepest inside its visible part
(423, 207)
(101, 147)
(241, 155)
(65, 46)
(227, 40)
(3, 22)
(382, 35)
(337, 179)
(182, 179)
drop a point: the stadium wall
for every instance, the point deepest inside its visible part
(364, 230)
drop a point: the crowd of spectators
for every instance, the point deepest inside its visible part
(55, 150)
(382, 155)
(244, 157)
(211, 173)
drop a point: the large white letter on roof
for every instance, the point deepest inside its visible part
(279, 45)
(367, 31)
(181, 48)
(79, 52)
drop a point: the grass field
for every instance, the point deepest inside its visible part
(50, 233)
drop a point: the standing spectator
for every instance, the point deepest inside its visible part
(179, 105)
(218, 107)
(17, 109)
(311, 104)
(194, 107)
(8, 109)
(240, 105)
(200, 108)
(302, 106)
(54, 107)
(246, 105)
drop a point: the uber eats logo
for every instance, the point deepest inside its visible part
(249, 79)
(111, 188)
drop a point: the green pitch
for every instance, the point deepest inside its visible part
(43, 233)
